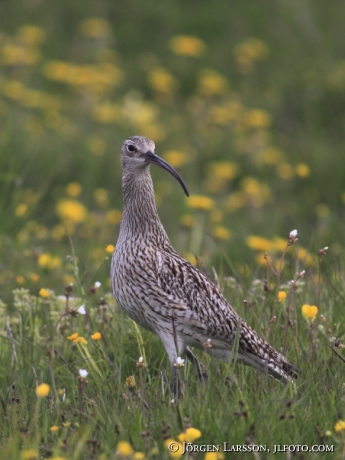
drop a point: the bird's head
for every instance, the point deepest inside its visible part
(138, 153)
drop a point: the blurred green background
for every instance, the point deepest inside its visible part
(245, 99)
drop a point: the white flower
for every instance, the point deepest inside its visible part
(97, 285)
(293, 234)
(179, 362)
(81, 310)
(83, 373)
(141, 359)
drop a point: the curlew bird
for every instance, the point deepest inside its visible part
(166, 294)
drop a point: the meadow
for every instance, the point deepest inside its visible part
(247, 103)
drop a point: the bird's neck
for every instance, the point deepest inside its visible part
(140, 215)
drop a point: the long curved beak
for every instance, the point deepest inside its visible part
(154, 159)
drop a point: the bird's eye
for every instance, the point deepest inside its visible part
(131, 148)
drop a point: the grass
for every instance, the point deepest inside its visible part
(246, 102)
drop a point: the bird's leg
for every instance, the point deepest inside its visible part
(199, 367)
(177, 384)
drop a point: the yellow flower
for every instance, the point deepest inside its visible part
(201, 202)
(302, 170)
(34, 277)
(124, 449)
(21, 210)
(46, 260)
(187, 45)
(258, 243)
(187, 220)
(214, 456)
(339, 426)
(81, 340)
(43, 293)
(190, 435)
(257, 118)
(161, 81)
(29, 454)
(20, 279)
(42, 390)
(96, 336)
(31, 35)
(71, 210)
(281, 296)
(175, 448)
(138, 456)
(73, 336)
(175, 158)
(211, 83)
(222, 169)
(221, 233)
(54, 428)
(73, 189)
(130, 382)
(110, 248)
(310, 312)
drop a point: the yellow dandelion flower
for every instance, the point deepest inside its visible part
(96, 336)
(20, 279)
(13, 89)
(103, 113)
(200, 202)
(73, 336)
(34, 277)
(95, 27)
(214, 456)
(162, 81)
(309, 311)
(29, 454)
(257, 118)
(302, 170)
(54, 428)
(281, 296)
(187, 45)
(138, 456)
(73, 189)
(212, 83)
(43, 293)
(191, 258)
(221, 233)
(176, 158)
(81, 340)
(21, 210)
(31, 35)
(71, 210)
(339, 426)
(46, 260)
(124, 449)
(258, 243)
(42, 391)
(222, 169)
(270, 156)
(110, 248)
(187, 220)
(175, 448)
(190, 435)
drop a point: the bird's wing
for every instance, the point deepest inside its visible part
(206, 309)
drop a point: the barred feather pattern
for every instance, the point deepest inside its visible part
(166, 294)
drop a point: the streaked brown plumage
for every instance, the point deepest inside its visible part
(165, 293)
